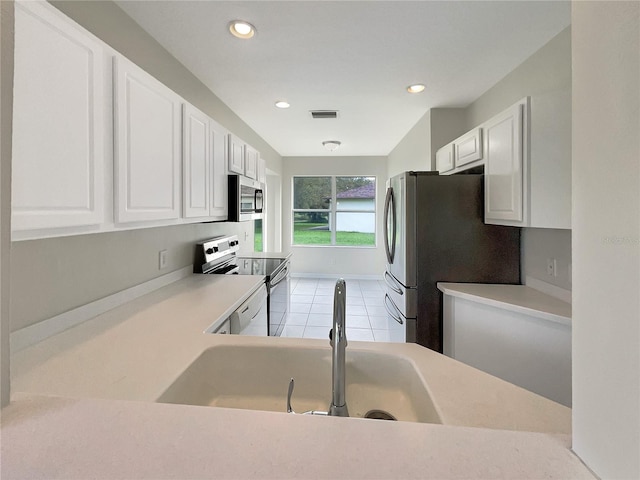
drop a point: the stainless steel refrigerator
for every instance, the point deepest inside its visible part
(434, 232)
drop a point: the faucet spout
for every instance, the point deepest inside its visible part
(338, 343)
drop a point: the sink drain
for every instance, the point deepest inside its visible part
(379, 415)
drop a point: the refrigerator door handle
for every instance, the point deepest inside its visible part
(395, 315)
(389, 204)
(392, 283)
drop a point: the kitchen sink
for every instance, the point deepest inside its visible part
(257, 378)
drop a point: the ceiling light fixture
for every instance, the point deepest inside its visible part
(417, 88)
(331, 145)
(242, 29)
(282, 104)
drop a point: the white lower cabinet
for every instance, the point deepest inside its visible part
(523, 349)
(146, 147)
(58, 122)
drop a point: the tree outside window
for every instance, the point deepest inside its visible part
(331, 210)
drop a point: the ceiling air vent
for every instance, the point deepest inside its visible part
(324, 113)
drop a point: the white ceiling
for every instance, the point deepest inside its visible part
(356, 57)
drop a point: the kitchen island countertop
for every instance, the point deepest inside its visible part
(110, 370)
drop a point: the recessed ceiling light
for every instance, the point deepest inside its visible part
(282, 104)
(417, 88)
(241, 29)
(331, 145)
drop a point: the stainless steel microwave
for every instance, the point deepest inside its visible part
(246, 199)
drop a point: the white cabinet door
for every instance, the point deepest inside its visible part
(196, 162)
(468, 147)
(251, 162)
(58, 121)
(218, 140)
(503, 155)
(262, 170)
(236, 155)
(146, 147)
(444, 158)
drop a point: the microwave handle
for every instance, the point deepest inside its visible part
(258, 201)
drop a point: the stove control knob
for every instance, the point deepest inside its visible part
(209, 251)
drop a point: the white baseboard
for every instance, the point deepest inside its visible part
(27, 336)
(549, 289)
(336, 276)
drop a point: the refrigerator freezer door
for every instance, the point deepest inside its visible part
(396, 322)
(404, 299)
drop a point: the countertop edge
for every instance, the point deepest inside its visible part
(460, 290)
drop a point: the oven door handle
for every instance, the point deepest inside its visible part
(280, 276)
(395, 314)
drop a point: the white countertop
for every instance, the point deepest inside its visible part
(59, 438)
(517, 298)
(115, 366)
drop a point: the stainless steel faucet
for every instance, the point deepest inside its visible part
(338, 341)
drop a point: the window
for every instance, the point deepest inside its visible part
(258, 246)
(337, 211)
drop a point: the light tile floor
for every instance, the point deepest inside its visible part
(311, 309)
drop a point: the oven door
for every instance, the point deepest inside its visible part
(279, 300)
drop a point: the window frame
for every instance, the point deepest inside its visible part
(333, 211)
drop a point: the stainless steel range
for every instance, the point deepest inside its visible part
(219, 255)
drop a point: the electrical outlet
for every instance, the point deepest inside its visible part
(552, 267)
(162, 259)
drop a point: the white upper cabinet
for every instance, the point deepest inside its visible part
(528, 163)
(503, 155)
(251, 156)
(262, 170)
(58, 122)
(444, 158)
(146, 146)
(197, 163)
(218, 141)
(468, 148)
(236, 155)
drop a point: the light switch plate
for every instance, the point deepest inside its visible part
(162, 259)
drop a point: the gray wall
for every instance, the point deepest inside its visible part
(414, 150)
(335, 260)
(52, 276)
(606, 236)
(63, 273)
(446, 124)
(6, 110)
(547, 70)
